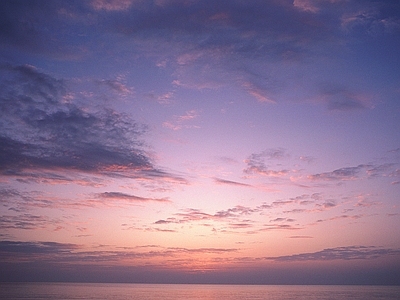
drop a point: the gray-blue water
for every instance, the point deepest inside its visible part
(99, 291)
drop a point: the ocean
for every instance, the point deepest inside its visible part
(125, 291)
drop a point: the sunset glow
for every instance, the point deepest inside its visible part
(197, 141)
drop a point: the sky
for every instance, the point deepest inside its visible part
(200, 141)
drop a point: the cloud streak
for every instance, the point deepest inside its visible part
(127, 197)
(340, 253)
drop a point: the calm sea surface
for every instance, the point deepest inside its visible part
(98, 291)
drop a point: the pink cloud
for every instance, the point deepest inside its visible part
(257, 93)
(179, 122)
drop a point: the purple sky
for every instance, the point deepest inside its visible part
(200, 141)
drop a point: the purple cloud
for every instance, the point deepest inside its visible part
(41, 133)
(230, 182)
(128, 197)
(340, 253)
(348, 173)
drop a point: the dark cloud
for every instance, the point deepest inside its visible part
(258, 163)
(28, 222)
(282, 220)
(372, 18)
(43, 130)
(236, 211)
(164, 221)
(17, 29)
(341, 253)
(254, 28)
(224, 35)
(237, 26)
(328, 204)
(65, 253)
(347, 173)
(51, 261)
(43, 27)
(351, 173)
(269, 154)
(128, 197)
(230, 182)
(36, 247)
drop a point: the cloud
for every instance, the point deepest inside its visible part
(116, 86)
(362, 202)
(369, 170)
(127, 197)
(36, 247)
(242, 27)
(230, 182)
(70, 254)
(308, 159)
(305, 5)
(202, 40)
(340, 253)
(372, 19)
(111, 5)
(282, 220)
(381, 170)
(232, 217)
(268, 227)
(257, 93)
(340, 217)
(179, 122)
(348, 173)
(340, 98)
(25, 202)
(27, 222)
(301, 237)
(41, 133)
(38, 27)
(256, 162)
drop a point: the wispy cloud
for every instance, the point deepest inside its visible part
(340, 98)
(341, 253)
(235, 218)
(372, 20)
(257, 93)
(28, 222)
(179, 122)
(128, 197)
(340, 217)
(347, 173)
(111, 5)
(116, 86)
(230, 182)
(368, 170)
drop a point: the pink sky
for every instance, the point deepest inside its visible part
(200, 141)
